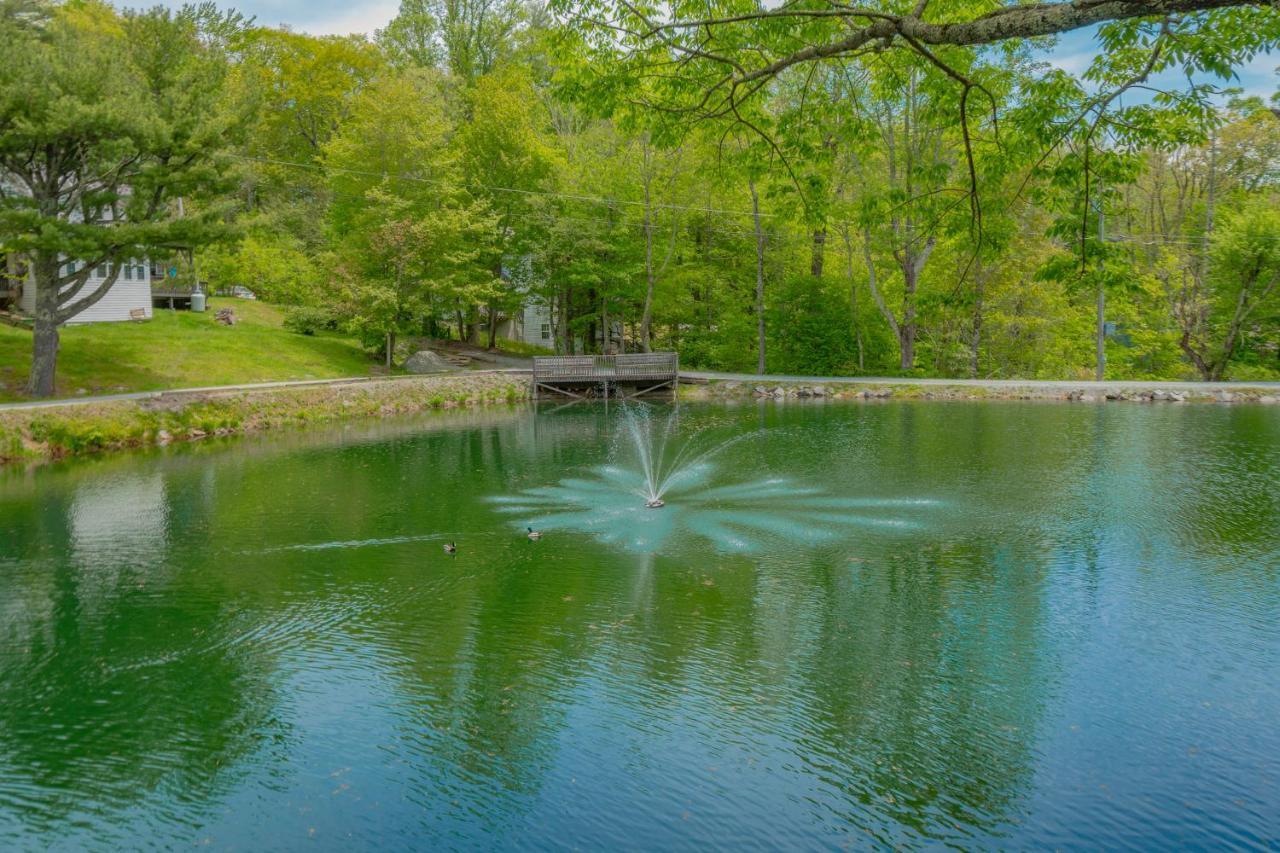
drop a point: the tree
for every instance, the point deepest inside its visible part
(412, 242)
(506, 162)
(478, 34)
(104, 122)
(412, 37)
(1244, 284)
(906, 170)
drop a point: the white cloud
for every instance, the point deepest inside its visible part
(317, 17)
(360, 18)
(1072, 63)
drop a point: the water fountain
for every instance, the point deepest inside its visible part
(658, 464)
(660, 468)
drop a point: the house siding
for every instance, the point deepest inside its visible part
(123, 297)
(536, 313)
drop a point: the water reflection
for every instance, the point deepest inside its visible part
(277, 652)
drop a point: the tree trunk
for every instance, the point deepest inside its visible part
(1196, 358)
(755, 216)
(1100, 356)
(975, 343)
(493, 325)
(562, 324)
(604, 326)
(646, 318)
(818, 259)
(44, 359)
(391, 347)
(853, 296)
(907, 328)
(912, 264)
(44, 350)
(874, 286)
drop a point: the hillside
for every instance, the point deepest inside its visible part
(180, 349)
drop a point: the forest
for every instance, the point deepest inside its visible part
(807, 189)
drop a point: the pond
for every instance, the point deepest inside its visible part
(917, 624)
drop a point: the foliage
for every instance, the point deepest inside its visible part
(106, 121)
(306, 320)
(276, 267)
(912, 203)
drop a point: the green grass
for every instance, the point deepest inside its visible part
(32, 435)
(520, 348)
(179, 349)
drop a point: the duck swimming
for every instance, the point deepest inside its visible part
(535, 535)
(451, 548)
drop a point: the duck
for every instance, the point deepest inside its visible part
(451, 548)
(535, 535)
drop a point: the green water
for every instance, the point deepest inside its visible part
(989, 624)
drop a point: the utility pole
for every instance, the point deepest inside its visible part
(755, 215)
(1101, 368)
(1209, 204)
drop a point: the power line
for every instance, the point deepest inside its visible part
(516, 190)
(798, 233)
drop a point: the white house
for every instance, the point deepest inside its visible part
(128, 299)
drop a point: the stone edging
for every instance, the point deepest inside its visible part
(719, 389)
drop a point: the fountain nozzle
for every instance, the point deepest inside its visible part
(655, 503)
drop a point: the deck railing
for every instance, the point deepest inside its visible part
(642, 371)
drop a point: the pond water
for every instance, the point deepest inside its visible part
(918, 624)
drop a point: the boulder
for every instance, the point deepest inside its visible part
(426, 361)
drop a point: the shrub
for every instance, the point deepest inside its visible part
(306, 320)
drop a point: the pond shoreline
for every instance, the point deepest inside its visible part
(710, 386)
(49, 432)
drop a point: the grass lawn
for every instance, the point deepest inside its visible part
(180, 349)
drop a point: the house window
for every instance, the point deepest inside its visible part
(546, 331)
(128, 272)
(102, 270)
(140, 272)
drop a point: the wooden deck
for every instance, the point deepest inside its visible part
(604, 376)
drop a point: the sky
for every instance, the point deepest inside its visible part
(334, 17)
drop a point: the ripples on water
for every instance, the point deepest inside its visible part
(973, 625)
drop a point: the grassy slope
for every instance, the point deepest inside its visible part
(180, 349)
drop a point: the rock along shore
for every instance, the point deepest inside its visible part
(1091, 392)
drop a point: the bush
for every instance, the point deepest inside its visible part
(307, 321)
